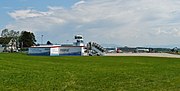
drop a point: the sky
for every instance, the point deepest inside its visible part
(149, 23)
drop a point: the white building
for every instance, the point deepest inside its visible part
(8, 44)
(75, 49)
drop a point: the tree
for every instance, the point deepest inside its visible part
(175, 50)
(27, 39)
(49, 43)
(4, 33)
(11, 33)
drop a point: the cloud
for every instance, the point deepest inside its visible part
(123, 22)
(79, 3)
(24, 14)
(55, 8)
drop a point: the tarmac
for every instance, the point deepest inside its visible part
(145, 54)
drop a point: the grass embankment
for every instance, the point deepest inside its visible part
(22, 72)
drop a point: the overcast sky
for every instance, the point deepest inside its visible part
(148, 23)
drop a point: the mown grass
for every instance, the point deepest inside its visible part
(20, 72)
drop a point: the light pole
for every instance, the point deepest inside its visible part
(42, 39)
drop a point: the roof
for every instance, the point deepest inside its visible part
(45, 46)
(52, 46)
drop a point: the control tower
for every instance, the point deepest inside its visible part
(79, 41)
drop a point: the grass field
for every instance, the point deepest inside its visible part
(20, 72)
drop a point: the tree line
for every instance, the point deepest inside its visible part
(24, 38)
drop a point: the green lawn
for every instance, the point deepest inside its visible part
(20, 72)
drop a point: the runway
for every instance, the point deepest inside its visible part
(144, 54)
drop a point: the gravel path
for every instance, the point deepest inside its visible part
(145, 54)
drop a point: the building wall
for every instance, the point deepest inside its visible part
(71, 51)
(1, 49)
(54, 51)
(57, 51)
(39, 51)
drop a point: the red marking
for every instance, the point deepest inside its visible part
(53, 46)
